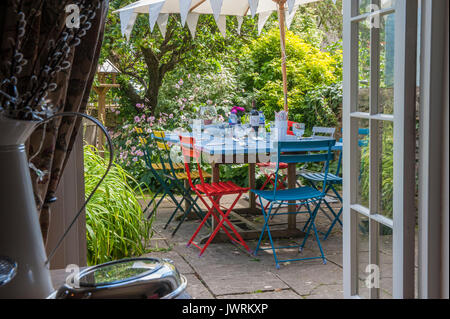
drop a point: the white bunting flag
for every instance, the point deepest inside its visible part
(153, 13)
(240, 19)
(253, 6)
(222, 25)
(216, 6)
(262, 19)
(162, 23)
(185, 5)
(191, 20)
(127, 19)
(291, 4)
(290, 17)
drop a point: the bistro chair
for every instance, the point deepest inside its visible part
(313, 179)
(177, 178)
(294, 152)
(268, 169)
(213, 192)
(323, 131)
(164, 187)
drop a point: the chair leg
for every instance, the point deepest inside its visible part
(266, 220)
(225, 219)
(179, 207)
(158, 191)
(337, 219)
(311, 223)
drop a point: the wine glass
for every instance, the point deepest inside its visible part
(298, 129)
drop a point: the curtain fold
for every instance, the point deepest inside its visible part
(45, 21)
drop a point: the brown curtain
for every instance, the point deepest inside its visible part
(46, 20)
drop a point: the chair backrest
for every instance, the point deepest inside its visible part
(323, 131)
(164, 148)
(148, 152)
(191, 152)
(307, 151)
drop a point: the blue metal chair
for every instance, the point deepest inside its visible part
(333, 179)
(294, 152)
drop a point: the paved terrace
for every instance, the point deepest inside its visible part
(226, 271)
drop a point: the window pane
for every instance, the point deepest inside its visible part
(364, 156)
(385, 4)
(385, 261)
(386, 168)
(362, 254)
(387, 51)
(364, 66)
(364, 6)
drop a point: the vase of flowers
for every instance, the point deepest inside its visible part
(25, 102)
(239, 111)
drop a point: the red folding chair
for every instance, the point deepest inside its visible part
(214, 192)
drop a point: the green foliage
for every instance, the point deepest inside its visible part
(308, 69)
(386, 172)
(116, 227)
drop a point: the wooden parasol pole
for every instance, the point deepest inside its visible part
(281, 20)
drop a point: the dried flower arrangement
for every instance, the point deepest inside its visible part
(33, 105)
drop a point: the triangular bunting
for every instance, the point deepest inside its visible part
(185, 5)
(127, 20)
(222, 25)
(162, 23)
(290, 17)
(153, 13)
(216, 6)
(291, 4)
(240, 19)
(192, 19)
(253, 6)
(262, 19)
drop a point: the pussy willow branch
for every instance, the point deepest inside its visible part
(31, 105)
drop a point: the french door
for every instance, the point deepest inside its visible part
(379, 116)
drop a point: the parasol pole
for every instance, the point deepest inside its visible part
(281, 21)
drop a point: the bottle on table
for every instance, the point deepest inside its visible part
(254, 118)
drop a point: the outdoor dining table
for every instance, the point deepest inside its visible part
(222, 150)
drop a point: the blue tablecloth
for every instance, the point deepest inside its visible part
(214, 145)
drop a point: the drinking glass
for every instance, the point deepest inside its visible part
(298, 129)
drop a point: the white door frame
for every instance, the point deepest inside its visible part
(404, 147)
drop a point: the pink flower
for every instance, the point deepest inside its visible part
(152, 118)
(209, 102)
(177, 86)
(137, 119)
(117, 112)
(198, 76)
(140, 106)
(135, 159)
(180, 82)
(189, 76)
(237, 109)
(133, 148)
(170, 116)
